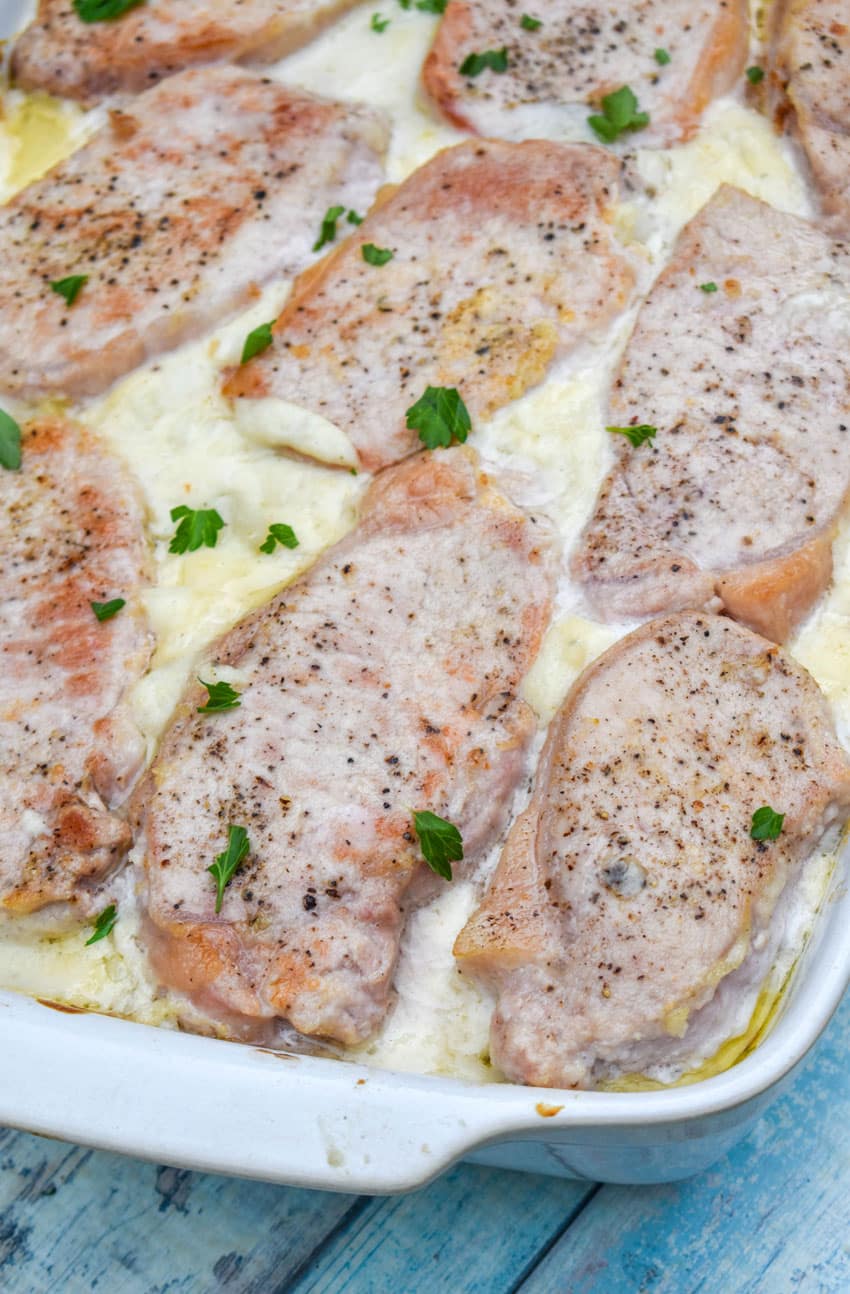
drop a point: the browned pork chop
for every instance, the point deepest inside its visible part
(502, 260)
(809, 85)
(384, 681)
(559, 71)
(71, 533)
(631, 887)
(62, 54)
(211, 183)
(735, 500)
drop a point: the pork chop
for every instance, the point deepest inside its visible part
(87, 61)
(385, 681)
(809, 85)
(71, 533)
(560, 70)
(212, 183)
(631, 886)
(735, 501)
(502, 260)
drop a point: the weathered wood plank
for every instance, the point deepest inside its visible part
(772, 1218)
(74, 1220)
(475, 1230)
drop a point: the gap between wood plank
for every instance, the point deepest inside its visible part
(555, 1238)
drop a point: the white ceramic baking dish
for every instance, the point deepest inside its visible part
(199, 1103)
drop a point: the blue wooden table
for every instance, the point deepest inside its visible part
(772, 1218)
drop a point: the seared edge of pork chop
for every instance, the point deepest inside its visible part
(73, 529)
(63, 55)
(630, 888)
(385, 680)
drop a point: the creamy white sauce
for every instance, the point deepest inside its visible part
(186, 445)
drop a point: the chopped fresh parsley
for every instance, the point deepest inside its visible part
(10, 442)
(767, 823)
(378, 23)
(106, 610)
(619, 113)
(432, 6)
(376, 255)
(440, 842)
(71, 287)
(220, 696)
(637, 435)
(354, 219)
(328, 231)
(755, 74)
(198, 528)
(708, 287)
(103, 925)
(661, 57)
(101, 10)
(527, 23)
(495, 59)
(439, 416)
(258, 340)
(227, 863)
(279, 534)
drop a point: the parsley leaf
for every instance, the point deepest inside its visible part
(279, 534)
(104, 924)
(71, 287)
(100, 10)
(755, 74)
(10, 442)
(373, 255)
(220, 696)
(354, 219)
(767, 823)
(258, 340)
(495, 59)
(378, 24)
(661, 57)
(432, 6)
(439, 416)
(619, 113)
(106, 610)
(637, 435)
(440, 842)
(527, 23)
(198, 529)
(228, 862)
(328, 230)
(708, 287)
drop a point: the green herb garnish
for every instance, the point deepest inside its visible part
(328, 231)
(440, 842)
(220, 696)
(104, 925)
(376, 255)
(619, 113)
(102, 10)
(661, 57)
(279, 534)
(432, 6)
(439, 416)
(767, 823)
(227, 863)
(354, 219)
(637, 435)
(198, 528)
(755, 74)
(527, 23)
(495, 59)
(10, 442)
(106, 610)
(258, 340)
(378, 23)
(71, 287)
(708, 287)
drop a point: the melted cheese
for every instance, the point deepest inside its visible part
(186, 445)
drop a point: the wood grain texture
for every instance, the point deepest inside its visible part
(772, 1218)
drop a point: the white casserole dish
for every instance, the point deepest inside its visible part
(199, 1103)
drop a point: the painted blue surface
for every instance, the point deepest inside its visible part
(772, 1218)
